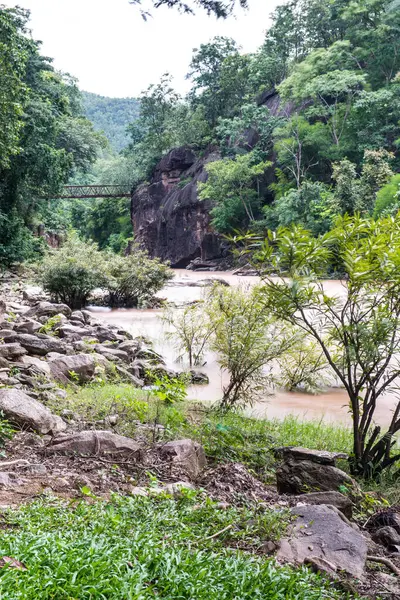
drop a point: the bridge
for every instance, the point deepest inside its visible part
(94, 191)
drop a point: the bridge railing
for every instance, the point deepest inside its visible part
(95, 191)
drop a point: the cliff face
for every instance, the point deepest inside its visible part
(168, 218)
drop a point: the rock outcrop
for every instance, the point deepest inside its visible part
(168, 218)
(319, 533)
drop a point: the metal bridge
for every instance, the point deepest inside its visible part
(95, 191)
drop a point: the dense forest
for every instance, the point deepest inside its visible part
(328, 146)
(111, 116)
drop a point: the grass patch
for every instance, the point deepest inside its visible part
(142, 548)
(226, 437)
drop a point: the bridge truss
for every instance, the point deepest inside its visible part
(95, 191)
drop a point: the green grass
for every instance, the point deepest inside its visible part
(142, 548)
(226, 437)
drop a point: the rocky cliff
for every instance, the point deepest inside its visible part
(168, 218)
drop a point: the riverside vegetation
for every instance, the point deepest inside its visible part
(140, 493)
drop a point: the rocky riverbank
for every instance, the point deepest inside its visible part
(47, 349)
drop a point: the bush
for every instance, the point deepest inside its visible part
(388, 197)
(71, 273)
(133, 280)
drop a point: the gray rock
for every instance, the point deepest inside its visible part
(9, 479)
(83, 365)
(11, 351)
(321, 457)
(319, 532)
(303, 476)
(112, 353)
(48, 309)
(40, 365)
(186, 455)
(96, 443)
(78, 315)
(342, 502)
(387, 536)
(69, 330)
(31, 326)
(41, 344)
(198, 378)
(105, 334)
(27, 412)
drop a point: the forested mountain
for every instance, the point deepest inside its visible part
(328, 143)
(111, 116)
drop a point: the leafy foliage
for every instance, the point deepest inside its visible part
(358, 332)
(90, 549)
(134, 279)
(73, 272)
(247, 341)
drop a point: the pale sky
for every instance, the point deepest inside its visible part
(113, 52)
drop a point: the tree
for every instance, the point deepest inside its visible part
(357, 193)
(229, 187)
(13, 58)
(190, 329)
(219, 8)
(388, 198)
(247, 340)
(50, 137)
(299, 147)
(219, 75)
(311, 206)
(358, 331)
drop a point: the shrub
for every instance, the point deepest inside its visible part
(247, 340)
(71, 273)
(190, 331)
(388, 197)
(133, 280)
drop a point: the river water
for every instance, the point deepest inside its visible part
(331, 405)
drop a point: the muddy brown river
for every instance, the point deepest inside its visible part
(332, 405)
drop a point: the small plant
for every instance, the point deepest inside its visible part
(190, 330)
(6, 432)
(50, 325)
(304, 368)
(11, 317)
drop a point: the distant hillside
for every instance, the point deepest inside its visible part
(111, 115)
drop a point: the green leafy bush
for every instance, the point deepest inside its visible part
(388, 197)
(71, 273)
(133, 280)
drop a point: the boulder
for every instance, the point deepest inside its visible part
(96, 443)
(387, 536)
(27, 412)
(105, 334)
(187, 455)
(319, 533)
(11, 351)
(302, 476)
(321, 457)
(48, 309)
(342, 502)
(80, 332)
(41, 344)
(30, 326)
(112, 353)
(40, 365)
(62, 368)
(198, 378)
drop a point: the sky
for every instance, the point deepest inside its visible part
(113, 52)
